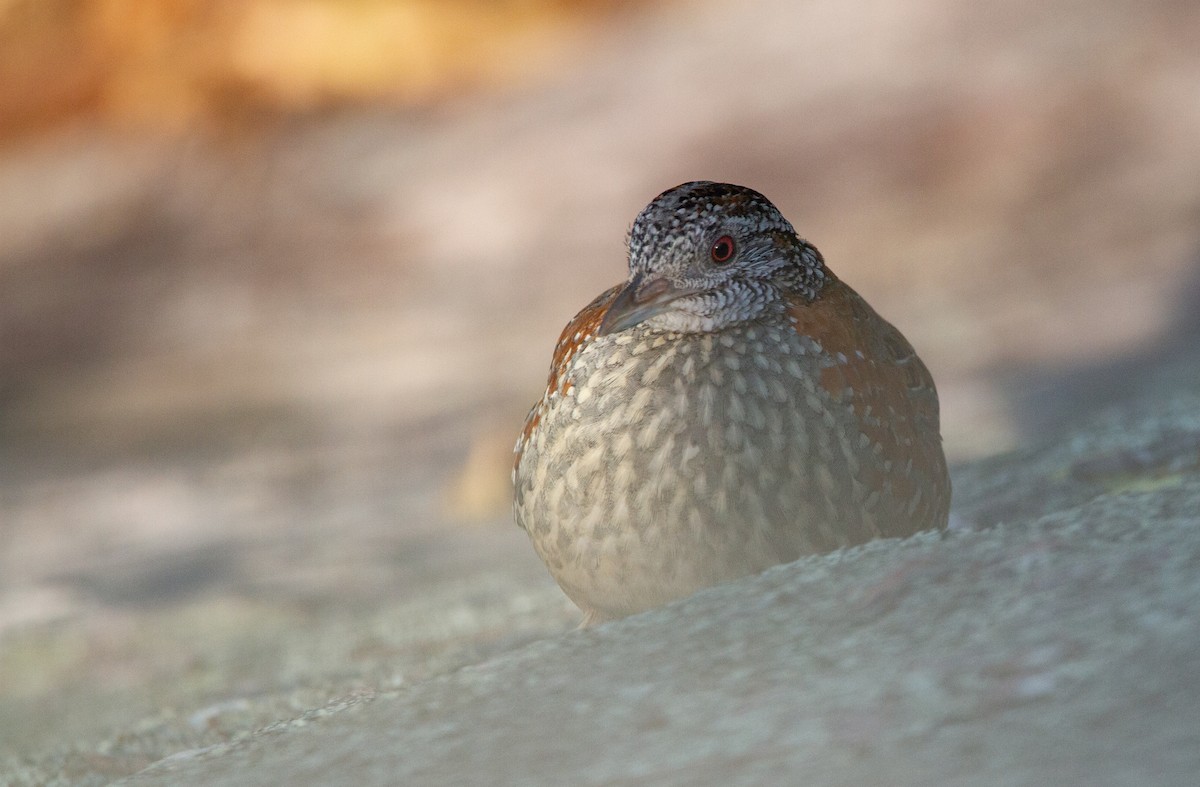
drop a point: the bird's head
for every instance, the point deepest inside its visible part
(704, 256)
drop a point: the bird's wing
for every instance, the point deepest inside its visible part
(868, 365)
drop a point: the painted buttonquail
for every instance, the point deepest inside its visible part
(732, 406)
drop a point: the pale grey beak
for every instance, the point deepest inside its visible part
(640, 300)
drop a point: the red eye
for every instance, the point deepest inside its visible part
(723, 249)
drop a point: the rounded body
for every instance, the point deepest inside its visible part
(660, 463)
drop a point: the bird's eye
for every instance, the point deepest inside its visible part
(722, 249)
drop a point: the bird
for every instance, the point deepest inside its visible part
(731, 406)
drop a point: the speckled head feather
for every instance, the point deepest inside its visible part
(679, 282)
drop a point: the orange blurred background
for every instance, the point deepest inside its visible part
(172, 64)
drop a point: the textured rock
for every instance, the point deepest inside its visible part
(1049, 638)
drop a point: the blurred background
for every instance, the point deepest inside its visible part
(279, 280)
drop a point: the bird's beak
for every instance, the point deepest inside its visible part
(638, 301)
